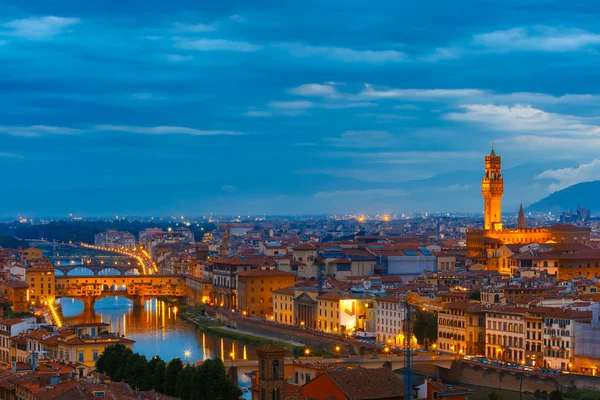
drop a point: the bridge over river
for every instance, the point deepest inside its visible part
(395, 362)
(138, 288)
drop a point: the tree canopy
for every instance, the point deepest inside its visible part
(425, 326)
(189, 382)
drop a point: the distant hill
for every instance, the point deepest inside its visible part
(585, 194)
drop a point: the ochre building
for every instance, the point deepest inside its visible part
(256, 286)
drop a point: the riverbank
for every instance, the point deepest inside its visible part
(218, 328)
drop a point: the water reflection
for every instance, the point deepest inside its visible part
(156, 330)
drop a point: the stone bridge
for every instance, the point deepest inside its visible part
(393, 362)
(138, 288)
(98, 265)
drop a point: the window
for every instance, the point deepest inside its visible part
(95, 355)
(81, 359)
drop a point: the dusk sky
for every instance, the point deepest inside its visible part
(305, 107)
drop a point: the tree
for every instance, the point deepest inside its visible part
(425, 326)
(149, 373)
(475, 295)
(556, 395)
(493, 395)
(171, 373)
(111, 359)
(210, 382)
(159, 376)
(135, 370)
(184, 382)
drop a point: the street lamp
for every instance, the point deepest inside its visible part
(307, 352)
(302, 323)
(337, 349)
(386, 350)
(187, 354)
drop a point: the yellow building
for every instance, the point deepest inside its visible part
(255, 289)
(198, 291)
(17, 293)
(461, 328)
(283, 305)
(83, 343)
(345, 314)
(329, 312)
(40, 278)
(30, 255)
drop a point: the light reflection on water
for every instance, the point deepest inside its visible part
(158, 331)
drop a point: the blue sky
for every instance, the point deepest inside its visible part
(284, 107)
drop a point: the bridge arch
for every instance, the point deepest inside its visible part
(58, 272)
(109, 271)
(80, 271)
(133, 271)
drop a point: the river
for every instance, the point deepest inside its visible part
(157, 331)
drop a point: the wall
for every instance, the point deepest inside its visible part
(471, 374)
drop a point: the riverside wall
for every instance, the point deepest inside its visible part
(518, 381)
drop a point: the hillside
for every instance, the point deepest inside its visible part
(585, 194)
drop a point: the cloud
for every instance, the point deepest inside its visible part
(314, 90)
(521, 118)
(343, 54)
(147, 96)
(362, 139)
(229, 188)
(537, 38)
(570, 176)
(215, 45)
(433, 94)
(257, 114)
(471, 95)
(40, 27)
(38, 130)
(164, 130)
(196, 27)
(296, 105)
(237, 18)
(178, 58)
(152, 37)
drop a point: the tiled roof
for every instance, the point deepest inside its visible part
(264, 272)
(367, 384)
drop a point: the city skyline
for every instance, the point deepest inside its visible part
(230, 108)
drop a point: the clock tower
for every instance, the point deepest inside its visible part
(492, 188)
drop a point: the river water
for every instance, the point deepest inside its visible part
(158, 331)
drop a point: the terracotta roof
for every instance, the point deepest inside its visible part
(449, 390)
(367, 384)
(15, 283)
(388, 299)
(340, 261)
(569, 227)
(287, 291)
(264, 272)
(332, 296)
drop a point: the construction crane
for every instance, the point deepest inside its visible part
(413, 301)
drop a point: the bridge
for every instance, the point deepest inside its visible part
(98, 265)
(138, 288)
(394, 362)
